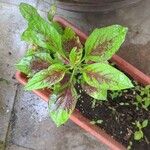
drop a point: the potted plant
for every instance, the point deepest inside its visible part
(73, 73)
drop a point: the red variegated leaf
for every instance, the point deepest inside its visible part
(70, 44)
(38, 65)
(104, 42)
(106, 77)
(62, 84)
(61, 105)
(47, 77)
(95, 92)
(34, 62)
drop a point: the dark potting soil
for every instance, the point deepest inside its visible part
(117, 118)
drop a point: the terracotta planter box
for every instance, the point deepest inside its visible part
(77, 117)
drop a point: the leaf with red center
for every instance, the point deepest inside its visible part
(38, 65)
(34, 62)
(70, 44)
(73, 50)
(62, 84)
(69, 39)
(104, 42)
(106, 77)
(97, 93)
(65, 79)
(61, 105)
(47, 77)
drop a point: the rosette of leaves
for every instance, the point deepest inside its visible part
(70, 62)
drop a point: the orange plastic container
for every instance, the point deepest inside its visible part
(77, 117)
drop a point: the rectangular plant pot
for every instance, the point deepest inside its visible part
(77, 117)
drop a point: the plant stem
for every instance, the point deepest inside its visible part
(73, 72)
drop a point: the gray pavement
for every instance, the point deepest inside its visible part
(24, 121)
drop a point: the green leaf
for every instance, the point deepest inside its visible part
(51, 34)
(33, 37)
(68, 34)
(44, 56)
(106, 77)
(50, 17)
(31, 15)
(97, 93)
(138, 135)
(39, 25)
(46, 78)
(139, 98)
(147, 90)
(104, 42)
(75, 56)
(99, 121)
(47, 30)
(24, 65)
(30, 52)
(96, 121)
(145, 123)
(38, 81)
(138, 124)
(147, 102)
(52, 12)
(28, 12)
(58, 27)
(93, 122)
(62, 105)
(115, 94)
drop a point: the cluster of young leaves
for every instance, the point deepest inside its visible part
(67, 61)
(115, 94)
(138, 135)
(143, 98)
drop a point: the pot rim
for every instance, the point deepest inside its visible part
(95, 7)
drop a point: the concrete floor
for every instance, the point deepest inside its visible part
(24, 121)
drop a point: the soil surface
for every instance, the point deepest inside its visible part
(117, 115)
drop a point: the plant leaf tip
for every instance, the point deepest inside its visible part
(22, 4)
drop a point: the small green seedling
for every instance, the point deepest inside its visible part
(138, 135)
(124, 104)
(143, 99)
(97, 121)
(130, 145)
(94, 103)
(115, 94)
